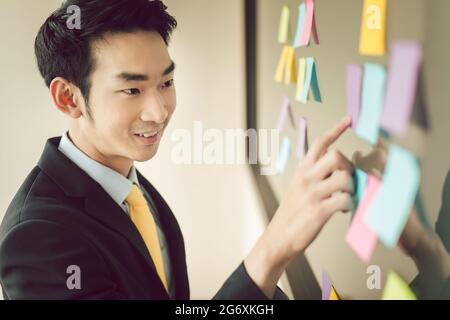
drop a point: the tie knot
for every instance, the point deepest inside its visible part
(135, 197)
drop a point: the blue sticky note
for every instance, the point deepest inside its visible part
(283, 157)
(389, 212)
(311, 82)
(360, 179)
(300, 25)
(372, 102)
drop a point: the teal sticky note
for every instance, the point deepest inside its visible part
(315, 83)
(300, 24)
(360, 180)
(283, 157)
(311, 82)
(389, 212)
(372, 102)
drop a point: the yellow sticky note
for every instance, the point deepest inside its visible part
(284, 31)
(373, 28)
(397, 289)
(334, 295)
(282, 64)
(301, 78)
(291, 74)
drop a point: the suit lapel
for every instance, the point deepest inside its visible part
(76, 183)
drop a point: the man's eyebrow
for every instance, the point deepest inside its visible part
(169, 69)
(128, 76)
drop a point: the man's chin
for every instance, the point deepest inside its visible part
(142, 157)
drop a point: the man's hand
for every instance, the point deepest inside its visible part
(322, 185)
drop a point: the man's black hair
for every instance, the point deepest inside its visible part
(66, 52)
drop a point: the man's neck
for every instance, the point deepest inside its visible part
(118, 164)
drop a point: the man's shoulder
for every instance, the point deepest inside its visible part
(38, 198)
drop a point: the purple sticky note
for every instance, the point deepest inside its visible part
(326, 285)
(360, 237)
(283, 113)
(354, 85)
(302, 146)
(404, 66)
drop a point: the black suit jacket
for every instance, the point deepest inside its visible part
(61, 217)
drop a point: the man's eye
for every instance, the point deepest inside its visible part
(168, 84)
(132, 91)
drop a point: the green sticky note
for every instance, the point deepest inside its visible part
(397, 289)
(389, 212)
(372, 102)
(284, 31)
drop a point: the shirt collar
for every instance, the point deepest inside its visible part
(115, 184)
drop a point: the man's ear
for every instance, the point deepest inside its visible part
(63, 94)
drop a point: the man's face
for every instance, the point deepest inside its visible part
(132, 94)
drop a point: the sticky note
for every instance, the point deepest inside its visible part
(283, 113)
(404, 66)
(360, 179)
(301, 78)
(371, 102)
(389, 212)
(283, 157)
(334, 295)
(328, 291)
(290, 75)
(397, 289)
(373, 28)
(302, 146)
(300, 25)
(314, 81)
(359, 236)
(286, 66)
(326, 285)
(310, 24)
(354, 85)
(311, 82)
(284, 31)
(282, 64)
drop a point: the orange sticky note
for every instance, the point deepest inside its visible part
(373, 28)
(286, 66)
(290, 75)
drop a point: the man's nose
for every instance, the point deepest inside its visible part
(154, 109)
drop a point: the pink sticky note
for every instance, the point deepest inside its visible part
(283, 113)
(308, 22)
(314, 28)
(360, 237)
(354, 85)
(302, 146)
(404, 66)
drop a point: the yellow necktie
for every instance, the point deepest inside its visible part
(143, 219)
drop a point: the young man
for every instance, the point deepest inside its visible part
(85, 223)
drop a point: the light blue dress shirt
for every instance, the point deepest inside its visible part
(117, 187)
